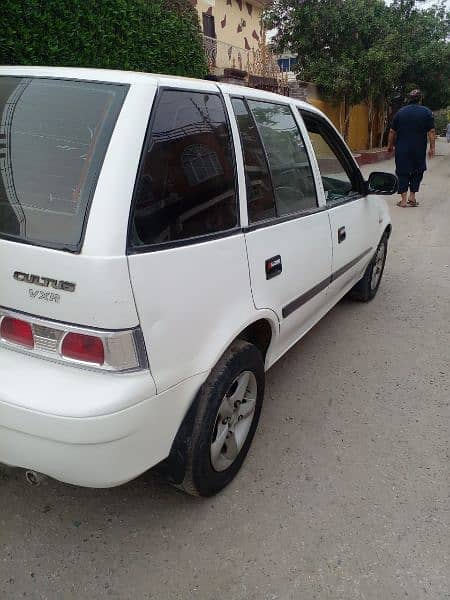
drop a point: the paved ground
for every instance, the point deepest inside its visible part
(345, 494)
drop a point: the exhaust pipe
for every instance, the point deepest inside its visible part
(34, 478)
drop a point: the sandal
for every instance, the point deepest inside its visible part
(401, 205)
(413, 203)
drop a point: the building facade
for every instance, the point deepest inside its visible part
(233, 36)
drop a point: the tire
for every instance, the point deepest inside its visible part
(207, 470)
(367, 287)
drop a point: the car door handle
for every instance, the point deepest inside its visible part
(274, 266)
(341, 234)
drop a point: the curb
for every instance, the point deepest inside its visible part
(367, 158)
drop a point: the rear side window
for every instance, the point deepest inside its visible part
(292, 177)
(186, 185)
(53, 138)
(260, 200)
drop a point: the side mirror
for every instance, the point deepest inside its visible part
(382, 183)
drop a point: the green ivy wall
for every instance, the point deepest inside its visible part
(159, 36)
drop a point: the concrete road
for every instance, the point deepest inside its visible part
(345, 494)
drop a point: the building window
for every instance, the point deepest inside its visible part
(200, 163)
(209, 28)
(287, 64)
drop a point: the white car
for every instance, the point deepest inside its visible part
(163, 242)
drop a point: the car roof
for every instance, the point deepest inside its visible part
(135, 77)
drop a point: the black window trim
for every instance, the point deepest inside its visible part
(198, 239)
(291, 216)
(344, 156)
(75, 248)
(192, 241)
(271, 221)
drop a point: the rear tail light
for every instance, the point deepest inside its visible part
(116, 351)
(87, 348)
(17, 331)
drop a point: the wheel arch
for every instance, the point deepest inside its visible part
(261, 332)
(261, 329)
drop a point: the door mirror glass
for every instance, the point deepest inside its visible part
(382, 183)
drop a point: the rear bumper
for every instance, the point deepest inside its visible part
(92, 450)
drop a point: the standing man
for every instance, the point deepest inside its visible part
(408, 134)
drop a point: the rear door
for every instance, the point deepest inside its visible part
(354, 217)
(187, 258)
(288, 233)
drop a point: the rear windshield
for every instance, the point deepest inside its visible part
(53, 137)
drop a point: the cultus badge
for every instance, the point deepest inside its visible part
(56, 284)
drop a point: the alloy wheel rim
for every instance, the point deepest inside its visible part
(233, 421)
(378, 266)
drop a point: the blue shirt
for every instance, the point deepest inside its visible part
(411, 123)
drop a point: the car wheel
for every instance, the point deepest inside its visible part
(367, 287)
(227, 414)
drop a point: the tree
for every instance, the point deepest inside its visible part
(160, 36)
(365, 50)
(332, 39)
(421, 38)
(441, 118)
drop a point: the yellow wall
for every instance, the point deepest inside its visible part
(236, 27)
(331, 110)
(358, 131)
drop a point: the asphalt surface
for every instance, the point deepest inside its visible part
(345, 494)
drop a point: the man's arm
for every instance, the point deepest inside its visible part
(432, 140)
(391, 140)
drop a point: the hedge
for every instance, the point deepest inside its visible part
(159, 36)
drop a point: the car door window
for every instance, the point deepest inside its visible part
(292, 178)
(339, 180)
(260, 200)
(186, 184)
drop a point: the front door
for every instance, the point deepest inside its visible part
(288, 234)
(353, 216)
